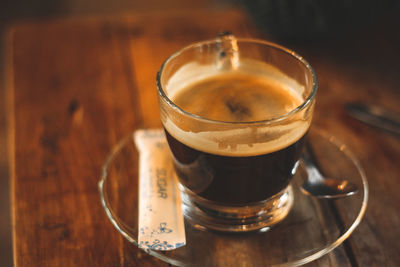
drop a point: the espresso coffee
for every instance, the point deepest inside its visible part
(242, 165)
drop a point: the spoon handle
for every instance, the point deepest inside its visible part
(375, 116)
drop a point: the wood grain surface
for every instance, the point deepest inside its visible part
(363, 66)
(79, 86)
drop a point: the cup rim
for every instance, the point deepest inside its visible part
(307, 101)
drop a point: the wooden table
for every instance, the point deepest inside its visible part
(77, 86)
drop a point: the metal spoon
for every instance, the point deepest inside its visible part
(323, 187)
(376, 116)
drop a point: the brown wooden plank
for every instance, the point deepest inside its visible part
(66, 118)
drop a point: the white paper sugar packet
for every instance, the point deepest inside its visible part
(161, 225)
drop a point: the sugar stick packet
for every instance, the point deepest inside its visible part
(161, 224)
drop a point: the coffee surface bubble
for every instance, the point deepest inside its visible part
(237, 97)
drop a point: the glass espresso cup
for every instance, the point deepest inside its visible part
(236, 113)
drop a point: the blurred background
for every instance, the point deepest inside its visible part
(306, 22)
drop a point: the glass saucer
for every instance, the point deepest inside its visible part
(313, 228)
